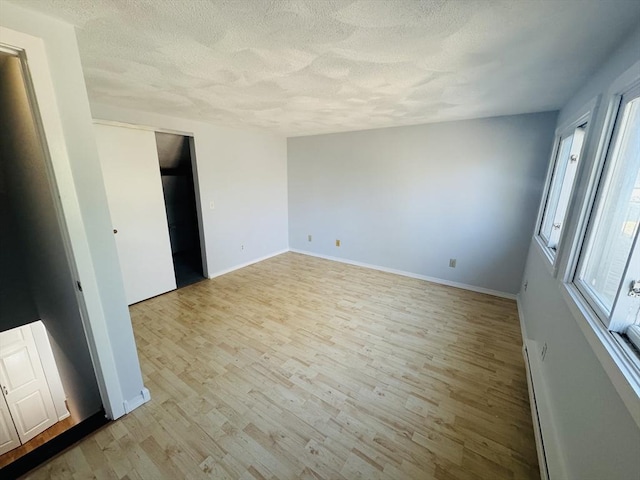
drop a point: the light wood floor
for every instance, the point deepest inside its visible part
(298, 367)
(50, 433)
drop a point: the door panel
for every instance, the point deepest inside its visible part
(24, 384)
(8, 435)
(131, 172)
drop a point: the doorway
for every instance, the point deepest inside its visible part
(176, 171)
(36, 278)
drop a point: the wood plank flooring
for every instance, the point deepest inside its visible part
(50, 433)
(298, 367)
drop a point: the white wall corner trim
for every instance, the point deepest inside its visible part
(440, 281)
(523, 327)
(246, 264)
(138, 400)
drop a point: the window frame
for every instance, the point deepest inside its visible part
(600, 185)
(584, 116)
(618, 359)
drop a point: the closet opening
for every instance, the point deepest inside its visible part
(175, 154)
(50, 397)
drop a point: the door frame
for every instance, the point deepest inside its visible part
(50, 367)
(38, 83)
(6, 418)
(194, 171)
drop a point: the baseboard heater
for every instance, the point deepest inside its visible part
(535, 415)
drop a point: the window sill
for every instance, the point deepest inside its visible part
(619, 361)
(548, 255)
(633, 334)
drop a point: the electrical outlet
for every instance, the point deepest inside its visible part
(309, 237)
(212, 206)
(543, 352)
(526, 284)
(337, 243)
(452, 262)
(241, 247)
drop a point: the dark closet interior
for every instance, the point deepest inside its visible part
(175, 157)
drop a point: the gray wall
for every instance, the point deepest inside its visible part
(597, 435)
(37, 230)
(410, 198)
(17, 306)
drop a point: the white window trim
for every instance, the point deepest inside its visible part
(617, 358)
(585, 115)
(599, 182)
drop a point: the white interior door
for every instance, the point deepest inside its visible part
(24, 384)
(131, 171)
(8, 434)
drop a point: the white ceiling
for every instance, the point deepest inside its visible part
(301, 67)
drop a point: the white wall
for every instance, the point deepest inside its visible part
(411, 198)
(244, 173)
(91, 235)
(597, 436)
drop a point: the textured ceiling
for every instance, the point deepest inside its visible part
(315, 66)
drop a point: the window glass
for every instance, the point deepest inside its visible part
(564, 174)
(616, 222)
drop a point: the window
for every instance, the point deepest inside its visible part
(565, 168)
(609, 263)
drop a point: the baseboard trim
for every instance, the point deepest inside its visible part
(246, 264)
(63, 416)
(138, 400)
(440, 281)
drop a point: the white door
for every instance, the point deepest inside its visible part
(131, 172)
(8, 435)
(24, 385)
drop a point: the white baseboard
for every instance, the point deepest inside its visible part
(138, 400)
(440, 281)
(246, 264)
(63, 416)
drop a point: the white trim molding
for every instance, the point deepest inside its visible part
(133, 403)
(449, 283)
(246, 264)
